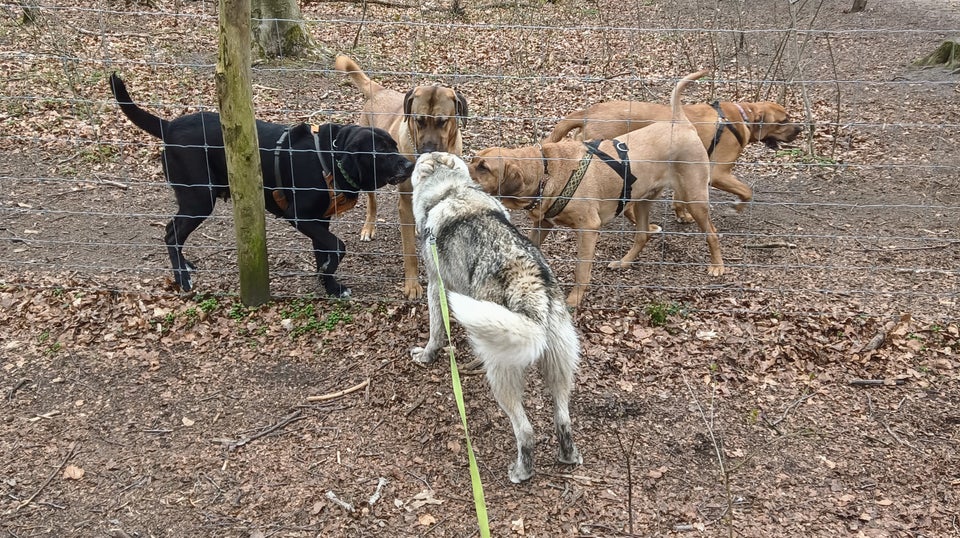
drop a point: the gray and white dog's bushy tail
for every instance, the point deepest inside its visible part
(497, 333)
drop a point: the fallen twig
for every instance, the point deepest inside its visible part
(113, 183)
(17, 387)
(376, 2)
(877, 382)
(376, 494)
(342, 504)
(789, 408)
(771, 245)
(73, 449)
(339, 393)
(231, 444)
(41, 416)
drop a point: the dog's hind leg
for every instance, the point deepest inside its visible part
(328, 260)
(701, 214)
(698, 206)
(193, 210)
(641, 210)
(506, 383)
(558, 368)
(328, 250)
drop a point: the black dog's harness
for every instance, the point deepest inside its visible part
(723, 123)
(339, 202)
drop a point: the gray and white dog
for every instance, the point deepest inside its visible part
(501, 291)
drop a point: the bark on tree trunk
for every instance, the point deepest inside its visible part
(278, 29)
(235, 96)
(858, 6)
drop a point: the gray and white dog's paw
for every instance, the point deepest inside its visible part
(422, 356)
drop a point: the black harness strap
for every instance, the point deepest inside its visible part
(277, 193)
(339, 202)
(722, 123)
(621, 167)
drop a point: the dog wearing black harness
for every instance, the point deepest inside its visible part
(311, 173)
(559, 185)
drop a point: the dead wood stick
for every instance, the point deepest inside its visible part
(339, 393)
(233, 444)
(73, 449)
(876, 382)
(925, 247)
(771, 245)
(112, 183)
(16, 387)
(377, 2)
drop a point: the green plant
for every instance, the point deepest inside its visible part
(238, 312)
(207, 304)
(660, 312)
(307, 320)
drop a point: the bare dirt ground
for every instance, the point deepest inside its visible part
(703, 407)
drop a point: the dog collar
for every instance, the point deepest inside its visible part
(573, 183)
(743, 113)
(315, 130)
(543, 183)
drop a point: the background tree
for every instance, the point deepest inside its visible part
(278, 29)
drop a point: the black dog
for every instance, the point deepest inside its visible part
(311, 173)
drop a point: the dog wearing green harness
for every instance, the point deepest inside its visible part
(583, 186)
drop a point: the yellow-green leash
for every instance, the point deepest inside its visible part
(478, 501)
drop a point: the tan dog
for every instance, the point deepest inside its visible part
(425, 119)
(665, 154)
(725, 128)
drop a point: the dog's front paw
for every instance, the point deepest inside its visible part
(335, 289)
(412, 290)
(570, 455)
(519, 473)
(183, 277)
(368, 232)
(422, 355)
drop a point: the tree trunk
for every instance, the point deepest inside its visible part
(235, 96)
(278, 29)
(858, 6)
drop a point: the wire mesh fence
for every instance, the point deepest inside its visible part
(859, 214)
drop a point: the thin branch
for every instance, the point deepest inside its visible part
(339, 393)
(232, 445)
(70, 453)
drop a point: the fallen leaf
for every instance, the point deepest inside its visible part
(426, 519)
(517, 526)
(187, 422)
(72, 472)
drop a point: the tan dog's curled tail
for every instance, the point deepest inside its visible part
(345, 64)
(676, 105)
(574, 120)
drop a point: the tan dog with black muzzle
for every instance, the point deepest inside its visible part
(725, 128)
(424, 120)
(581, 186)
